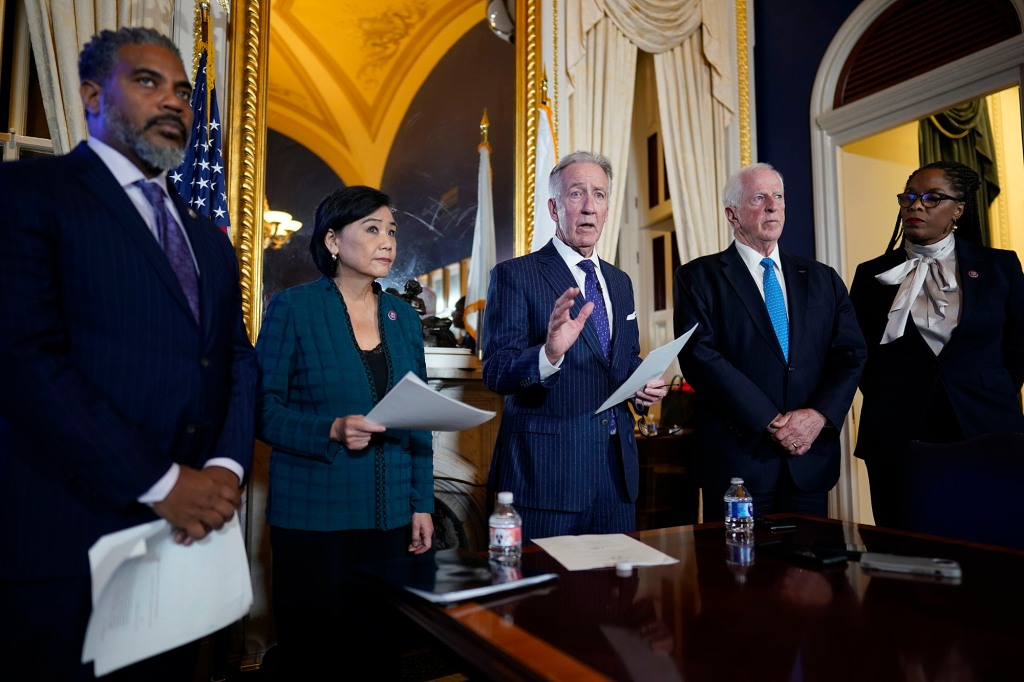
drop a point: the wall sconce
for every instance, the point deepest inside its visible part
(278, 228)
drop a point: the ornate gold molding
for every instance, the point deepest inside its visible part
(527, 37)
(743, 81)
(246, 160)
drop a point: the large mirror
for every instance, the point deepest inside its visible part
(361, 161)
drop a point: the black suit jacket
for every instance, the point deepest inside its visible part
(981, 368)
(742, 381)
(107, 378)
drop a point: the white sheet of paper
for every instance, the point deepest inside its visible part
(652, 367)
(583, 552)
(411, 404)
(151, 594)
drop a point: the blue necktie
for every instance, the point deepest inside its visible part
(592, 292)
(776, 305)
(172, 241)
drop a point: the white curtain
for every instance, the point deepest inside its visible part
(58, 30)
(695, 74)
(601, 111)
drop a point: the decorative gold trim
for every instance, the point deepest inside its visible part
(246, 160)
(527, 33)
(743, 81)
(554, 76)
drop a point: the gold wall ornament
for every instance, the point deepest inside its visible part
(527, 37)
(246, 143)
(743, 81)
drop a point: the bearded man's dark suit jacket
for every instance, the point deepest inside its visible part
(742, 380)
(551, 446)
(979, 371)
(107, 379)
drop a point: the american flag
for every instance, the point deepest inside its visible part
(200, 177)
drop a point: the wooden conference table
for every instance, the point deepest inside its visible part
(708, 618)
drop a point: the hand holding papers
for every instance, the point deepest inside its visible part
(411, 404)
(582, 552)
(151, 595)
(653, 366)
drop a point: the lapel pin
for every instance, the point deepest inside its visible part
(392, 315)
(972, 274)
(192, 214)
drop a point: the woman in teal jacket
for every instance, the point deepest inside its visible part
(343, 491)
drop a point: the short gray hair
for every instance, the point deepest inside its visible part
(733, 190)
(555, 177)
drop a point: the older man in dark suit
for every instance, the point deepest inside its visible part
(572, 471)
(774, 361)
(129, 380)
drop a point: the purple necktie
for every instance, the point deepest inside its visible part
(172, 241)
(592, 292)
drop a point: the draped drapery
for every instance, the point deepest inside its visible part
(964, 133)
(600, 111)
(58, 30)
(696, 82)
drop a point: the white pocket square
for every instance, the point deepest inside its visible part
(631, 316)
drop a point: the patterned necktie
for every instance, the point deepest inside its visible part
(592, 292)
(172, 241)
(776, 305)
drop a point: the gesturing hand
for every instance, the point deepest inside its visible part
(563, 330)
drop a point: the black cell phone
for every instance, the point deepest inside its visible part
(773, 525)
(805, 555)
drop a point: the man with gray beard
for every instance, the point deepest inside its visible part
(129, 380)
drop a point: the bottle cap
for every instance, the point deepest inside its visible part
(623, 569)
(735, 480)
(505, 498)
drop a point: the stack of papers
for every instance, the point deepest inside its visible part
(452, 575)
(411, 404)
(583, 552)
(151, 595)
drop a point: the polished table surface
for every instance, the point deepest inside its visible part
(708, 618)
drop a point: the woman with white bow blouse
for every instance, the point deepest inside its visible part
(943, 317)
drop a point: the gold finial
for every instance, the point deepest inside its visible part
(485, 125)
(543, 94)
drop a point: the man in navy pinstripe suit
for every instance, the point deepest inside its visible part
(129, 380)
(572, 472)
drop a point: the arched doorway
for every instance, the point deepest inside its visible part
(863, 150)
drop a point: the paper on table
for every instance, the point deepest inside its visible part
(583, 552)
(411, 404)
(151, 594)
(653, 366)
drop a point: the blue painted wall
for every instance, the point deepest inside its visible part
(791, 37)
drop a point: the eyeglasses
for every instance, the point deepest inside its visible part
(928, 199)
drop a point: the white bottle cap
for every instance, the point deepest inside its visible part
(505, 498)
(624, 569)
(736, 480)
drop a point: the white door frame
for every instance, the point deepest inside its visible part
(995, 68)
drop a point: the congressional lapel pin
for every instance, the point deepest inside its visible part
(973, 274)
(392, 315)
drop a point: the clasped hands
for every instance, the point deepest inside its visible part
(201, 501)
(796, 431)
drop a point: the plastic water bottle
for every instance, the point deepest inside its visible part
(506, 531)
(739, 508)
